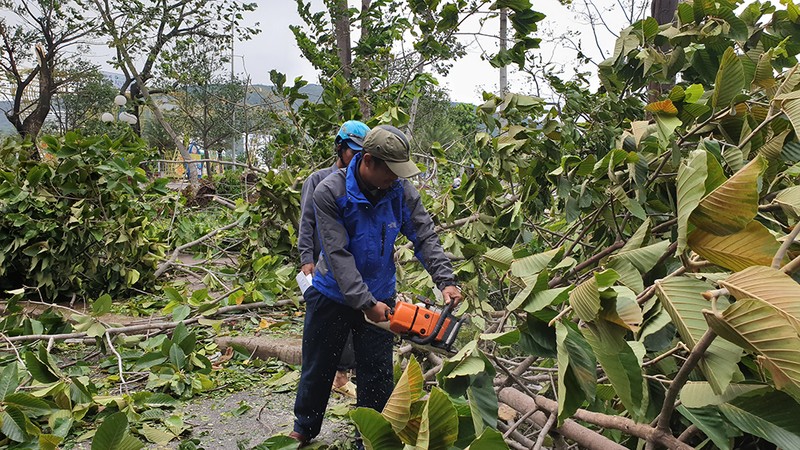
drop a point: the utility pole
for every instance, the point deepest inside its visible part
(233, 115)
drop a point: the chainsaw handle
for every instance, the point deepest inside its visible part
(436, 329)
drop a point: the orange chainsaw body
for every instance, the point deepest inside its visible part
(413, 320)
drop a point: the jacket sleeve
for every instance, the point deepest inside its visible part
(334, 240)
(305, 238)
(418, 228)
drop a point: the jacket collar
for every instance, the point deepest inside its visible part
(354, 192)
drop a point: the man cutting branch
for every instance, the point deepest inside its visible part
(359, 214)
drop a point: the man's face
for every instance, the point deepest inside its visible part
(377, 173)
(347, 154)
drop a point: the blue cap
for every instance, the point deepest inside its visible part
(353, 132)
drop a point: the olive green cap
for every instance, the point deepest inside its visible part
(391, 145)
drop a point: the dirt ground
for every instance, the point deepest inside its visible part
(232, 422)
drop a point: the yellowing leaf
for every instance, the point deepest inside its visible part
(769, 285)
(731, 206)
(663, 107)
(753, 246)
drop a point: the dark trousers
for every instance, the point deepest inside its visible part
(327, 324)
(348, 359)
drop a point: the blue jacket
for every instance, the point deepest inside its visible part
(356, 263)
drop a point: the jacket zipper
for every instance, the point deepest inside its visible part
(383, 238)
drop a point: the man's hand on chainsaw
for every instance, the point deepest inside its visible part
(378, 313)
(452, 294)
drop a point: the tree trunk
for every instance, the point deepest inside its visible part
(341, 29)
(503, 47)
(664, 12)
(365, 81)
(30, 127)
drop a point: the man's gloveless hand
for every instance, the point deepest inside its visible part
(378, 313)
(452, 294)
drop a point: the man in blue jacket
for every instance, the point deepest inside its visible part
(360, 213)
(348, 142)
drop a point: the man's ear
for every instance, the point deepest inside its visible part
(367, 158)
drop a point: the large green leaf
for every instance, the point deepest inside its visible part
(490, 439)
(789, 199)
(631, 204)
(644, 258)
(40, 370)
(375, 430)
(791, 108)
(501, 257)
(770, 285)
(711, 422)
(620, 364)
(483, 401)
(542, 299)
(628, 274)
(729, 82)
(439, 427)
(577, 371)
(408, 389)
(731, 206)
(682, 298)
(759, 327)
(692, 174)
(585, 299)
(113, 434)
(773, 147)
(530, 266)
(699, 394)
(772, 416)
(32, 406)
(753, 246)
(14, 424)
(9, 380)
(623, 310)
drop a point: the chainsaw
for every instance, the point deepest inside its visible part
(424, 325)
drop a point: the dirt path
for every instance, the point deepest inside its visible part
(232, 422)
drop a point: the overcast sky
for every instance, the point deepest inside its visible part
(275, 48)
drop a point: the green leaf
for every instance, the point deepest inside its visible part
(699, 394)
(32, 406)
(177, 357)
(692, 174)
(408, 389)
(375, 430)
(503, 339)
(543, 299)
(729, 82)
(620, 364)
(439, 427)
(774, 146)
(731, 206)
(490, 439)
(666, 127)
(711, 422)
(628, 274)
(682, 298)
(753, 246)
(530, 266)
(113, 434)
(102, 305)
(483, 401)
(585, 299)
(577, 376)
(9, 380)
(174, 295)
(759, 327)
(180, 313)
(630, 204)
(789, 200)
(14, 424)
(772, 416)
(644, 258)
(501, 257)
(40, 371)
(156, 435)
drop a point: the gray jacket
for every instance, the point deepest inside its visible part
(307, 241)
